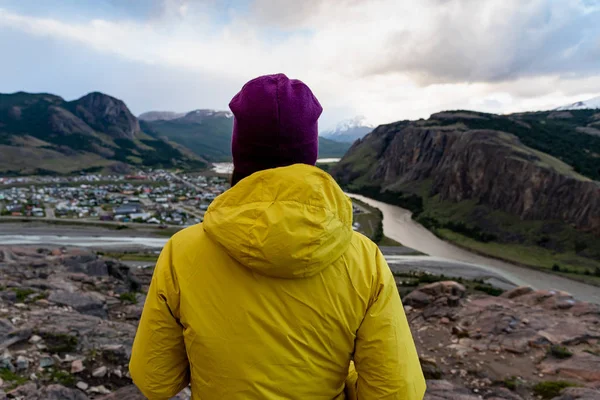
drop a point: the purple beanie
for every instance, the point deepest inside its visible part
(275, 124)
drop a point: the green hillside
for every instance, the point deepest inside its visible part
(208, 134)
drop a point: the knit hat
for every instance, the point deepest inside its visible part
(275, 124)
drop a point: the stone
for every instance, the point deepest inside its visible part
(46, 362)
(516, 292)
(99, 390)
(6, 361)
(35, 339)
(581, 366)
(82, 386)
(417, 299)
(100, 372)
(90, 303)
(128, 392)
(26, 391)
(448, 288)
(578, 393)
(118, 373)
(59, 392)
(77, 367)
(444, 321)
(22, 363)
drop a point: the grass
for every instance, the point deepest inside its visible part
(62, 378)
(60, 343)
(14, 379)
(550, 389)
(512, 383)
(560, 352)
(129, 297)
(22, 294)
(533, 256)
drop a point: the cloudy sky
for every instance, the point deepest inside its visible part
(385, 59)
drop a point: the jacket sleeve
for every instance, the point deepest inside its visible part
(385, 356)
(159, 366)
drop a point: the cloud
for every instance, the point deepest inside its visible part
(495, 40)
(386, 59)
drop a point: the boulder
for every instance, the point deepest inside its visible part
(446, 288)
(59, 392)
(580, 366)
(516, 292)
(417, 299)
(90, 303)
(577, 393)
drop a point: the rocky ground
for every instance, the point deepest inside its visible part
(68, 318)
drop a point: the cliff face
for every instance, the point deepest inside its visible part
(492, 168)
(106, 114)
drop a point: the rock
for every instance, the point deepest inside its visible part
(90, 303)
(77, 367)
(581, 366)
(59, 392)
(577, 393)
(444, 390)
(430, 368)
(82, 386)
(125, 393)
(46, 362)
(448, 288)
(99, 390)
(118, 373)
(444, 321)
(116, 353)
(35, 339)
(417, 299)
(26, 391)
(569, 333)
(100, 372)
(9, 296)
(516, 292)
(6, 361)
(22, 363)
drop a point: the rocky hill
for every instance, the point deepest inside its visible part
(68, 318)
(208, 133)
(469, 177)
(42, 133)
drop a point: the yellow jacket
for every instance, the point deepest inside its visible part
(271, 298)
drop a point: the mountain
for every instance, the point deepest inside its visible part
(349, 130)
(484, 182)
(208, 134)
(582, 105)
(43, 133)
(160, 115)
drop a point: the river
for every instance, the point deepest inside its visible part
(398, 225)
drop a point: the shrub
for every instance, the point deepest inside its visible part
(489, 289)
(560, 352)
(129, 297)
(22, 294)
(550, 389)
(556, 268)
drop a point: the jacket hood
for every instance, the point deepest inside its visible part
(289, 222)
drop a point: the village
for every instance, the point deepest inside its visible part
(156, 197)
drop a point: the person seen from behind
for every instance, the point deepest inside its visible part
(274, 296)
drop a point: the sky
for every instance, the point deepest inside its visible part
(386, 60)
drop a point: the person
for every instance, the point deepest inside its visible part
(274, 296)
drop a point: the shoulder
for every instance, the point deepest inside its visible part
(188, 236)
(363, 247)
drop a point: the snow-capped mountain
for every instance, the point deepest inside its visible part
(349, 130)
(582, 105)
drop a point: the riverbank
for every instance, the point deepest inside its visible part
(399, 225)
